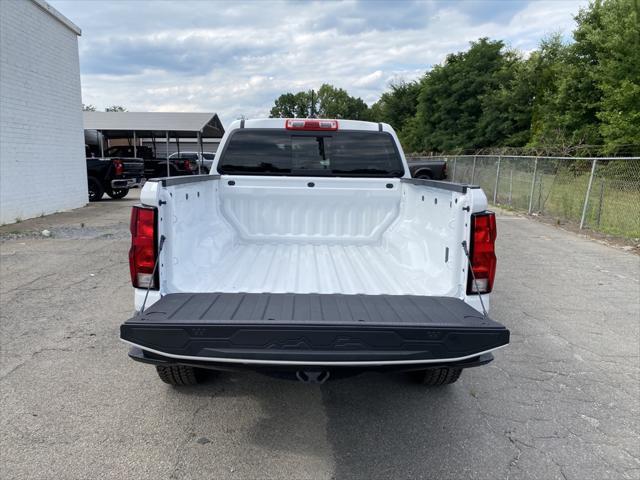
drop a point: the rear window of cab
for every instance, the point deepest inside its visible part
(311, 153)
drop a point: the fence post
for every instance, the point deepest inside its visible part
(495, 188)
(533, 185)
(586, 197)
(600, 203)
(453, 177)
(473, 170)
(540, 207)
(510, 186)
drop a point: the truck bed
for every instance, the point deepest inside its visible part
(311, 329)
(343, 235)
(308, 268)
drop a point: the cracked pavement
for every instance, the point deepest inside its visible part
(561, 402)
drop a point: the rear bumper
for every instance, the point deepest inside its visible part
(145, 356)
(306, 330)
(126, 182)
(306, 359)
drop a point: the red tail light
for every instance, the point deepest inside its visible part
(482, 252)
(143, 252)
(310, 124)
(118, 166)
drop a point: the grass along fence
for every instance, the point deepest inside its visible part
(602, 194)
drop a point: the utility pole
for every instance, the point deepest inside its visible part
(313, 105)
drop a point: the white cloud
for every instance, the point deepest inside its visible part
(369, 80)
(236, 58)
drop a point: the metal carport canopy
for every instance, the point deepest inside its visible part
(154, 124)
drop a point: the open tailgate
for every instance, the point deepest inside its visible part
(308, 329)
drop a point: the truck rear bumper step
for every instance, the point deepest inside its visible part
(291, 370)
(125, 183)
(313, 330)
(449, 362)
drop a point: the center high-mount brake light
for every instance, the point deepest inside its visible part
(143, 252)
(482, 253)
(310, 124)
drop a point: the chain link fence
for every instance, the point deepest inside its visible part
(602, 194)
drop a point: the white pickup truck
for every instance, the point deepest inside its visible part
(310, 252)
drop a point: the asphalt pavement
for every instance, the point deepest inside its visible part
(561, 402)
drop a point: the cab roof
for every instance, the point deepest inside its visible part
(280, 123)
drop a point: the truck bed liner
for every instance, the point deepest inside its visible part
(325, 269)
(313, 328)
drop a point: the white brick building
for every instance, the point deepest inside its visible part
(42, 164)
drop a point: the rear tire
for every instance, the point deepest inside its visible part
(436, 377)
(95, 189)
(179, 375)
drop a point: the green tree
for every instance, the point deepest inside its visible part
(327, 102)
(337, 103)
(397, 105)
(450, 103)
(292, 105)
(115, 108)
(566, 97)
(588, 92)
(612, 28)
(88, 108)
(506, 110)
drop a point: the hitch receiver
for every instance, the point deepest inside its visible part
(312, 376)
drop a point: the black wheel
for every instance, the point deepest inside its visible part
(95, 189)
(423, 176)
(179, 375)
(436, 376)
(117, 193)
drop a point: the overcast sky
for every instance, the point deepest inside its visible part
(236, 58)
